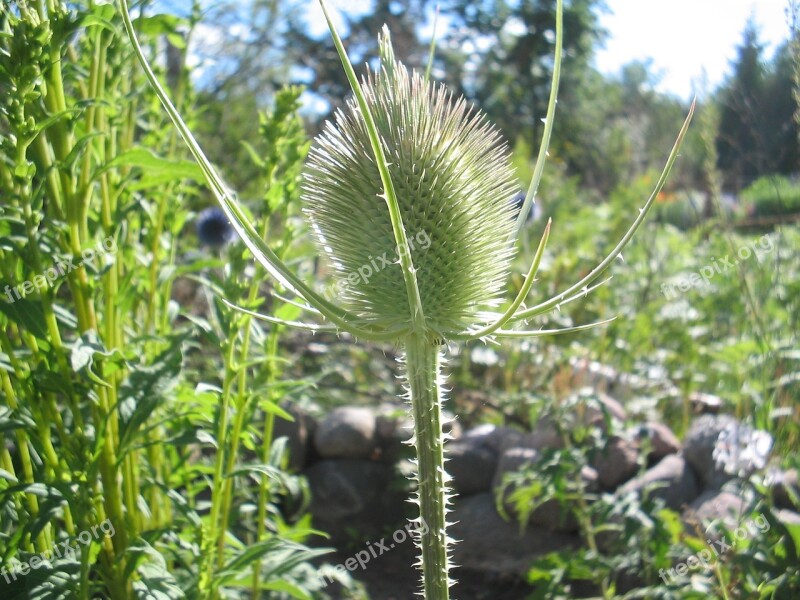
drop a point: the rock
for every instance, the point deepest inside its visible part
(719, 448)
(788, 517)
(596, 415)
(671, 480)
(593, 413)
(616, 463)
(298, 434)
(347, 494)
(551, 514)
(471, 466)
(497, 438)
(513, 460)
(347, 432)
(545, 435)
(715, 505)
(699, 445)
(658, 437)
(395, 427)
(782, 482)
(488, 543)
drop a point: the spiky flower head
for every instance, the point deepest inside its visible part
(452, 175)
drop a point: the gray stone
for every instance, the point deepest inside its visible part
(544, 435)
(550, 514)
(596, 415)
(513, 460)
(698, 448)
(497, 438)
(553, 515)
(471, 466)
(719, 448)
(348, 495)
(615, 463)
(490, 544)
(782, 482)
(393, 428)
(658, 437)
(347, 432)
(671, 480)
(715, 505)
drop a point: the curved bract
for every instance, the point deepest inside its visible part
(452, 178)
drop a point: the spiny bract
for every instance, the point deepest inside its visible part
(452, 176)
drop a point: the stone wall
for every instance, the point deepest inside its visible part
(358, 468)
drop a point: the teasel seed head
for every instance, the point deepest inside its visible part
(452, 175)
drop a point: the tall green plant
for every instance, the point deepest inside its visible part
(98, 407)
(406, 154)
(79, 382)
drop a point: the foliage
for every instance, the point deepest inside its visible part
(757, 134)
(111, 400)
(131, 397)
(770, 196)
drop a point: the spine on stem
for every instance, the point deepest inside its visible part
(424, 371)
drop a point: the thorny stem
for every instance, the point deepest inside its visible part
(423, 369)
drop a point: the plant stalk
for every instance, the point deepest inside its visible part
(423, 369)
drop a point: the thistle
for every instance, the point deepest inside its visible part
(452, 178)
(405, 161)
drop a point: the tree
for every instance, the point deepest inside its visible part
(318, 55)
(778, 108)
(741, 145)
(758, 133)
(499, 54)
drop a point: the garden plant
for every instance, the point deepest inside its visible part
(199, 274)
(406, 157)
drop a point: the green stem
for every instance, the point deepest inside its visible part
(216, 537)
(240, 403)
(266, 445)
(423, 367)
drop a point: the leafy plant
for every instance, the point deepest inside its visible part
(108, 406)
(771, 196)
(422, 145)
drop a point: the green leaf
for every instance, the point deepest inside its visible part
(154, 581)
(26, 313)
(152, 164)
(83, 356)
(145, 389)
